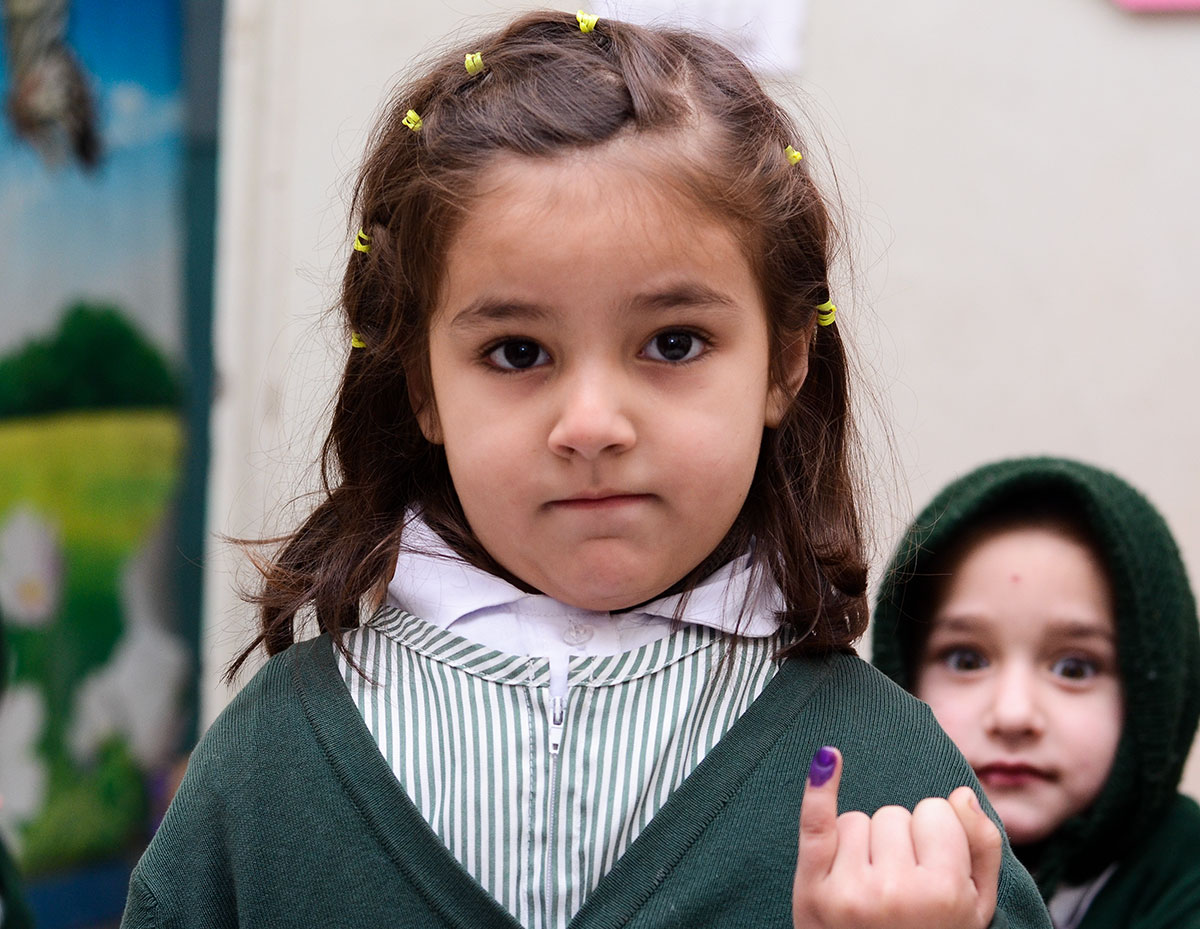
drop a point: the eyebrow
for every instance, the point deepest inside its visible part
(492, 309)
(1081, 629)
(1069, 628)
(688, 294)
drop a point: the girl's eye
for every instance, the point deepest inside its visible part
(674, 346)
(964, 660)
(1075, 668)
(518, 355)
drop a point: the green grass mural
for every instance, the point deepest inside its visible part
(91, 712)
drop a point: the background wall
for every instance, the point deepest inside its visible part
(1019, 182)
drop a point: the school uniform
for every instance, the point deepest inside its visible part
(506, 760)
(1132, 859)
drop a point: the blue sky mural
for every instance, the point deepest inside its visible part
(112, 234)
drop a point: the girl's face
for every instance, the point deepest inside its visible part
(599, 360)
(1021, 671)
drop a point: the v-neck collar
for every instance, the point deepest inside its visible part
(436, 874)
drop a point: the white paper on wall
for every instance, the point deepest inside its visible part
(767, 34)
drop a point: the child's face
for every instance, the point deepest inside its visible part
(599, 362)
(1021, 671)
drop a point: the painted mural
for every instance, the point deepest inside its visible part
(90, 437)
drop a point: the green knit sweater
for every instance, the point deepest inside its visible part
(1158, 885)
(290, 816)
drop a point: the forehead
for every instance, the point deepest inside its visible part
(623, 204)
(1028, 577)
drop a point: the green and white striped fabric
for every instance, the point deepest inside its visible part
(538, 796)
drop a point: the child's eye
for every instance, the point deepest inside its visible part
(517, 355)
(1075, 668)
(963, 659)
(674, 346)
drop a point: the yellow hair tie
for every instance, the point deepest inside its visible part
(474, 62)
(587, 22)
(793, 156)
(826, 313)
(413, 121)
(356, 341)
(362, 242)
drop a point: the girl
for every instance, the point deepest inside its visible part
(589, 565)
(1041, 607)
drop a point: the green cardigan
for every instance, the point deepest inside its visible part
(1158, 885)
(289, 815)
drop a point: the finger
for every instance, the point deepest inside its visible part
(940, 838)
(984, 840)
(818, 814)
(892, 839)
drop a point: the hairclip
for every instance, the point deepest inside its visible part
(412, 120)
(826, 313)
(474, 62)
(793, 156)
(587, 22)
(356, 341)
(362, 241)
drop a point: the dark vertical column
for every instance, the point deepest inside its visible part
(201, 84)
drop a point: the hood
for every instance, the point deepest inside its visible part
(1158, 641)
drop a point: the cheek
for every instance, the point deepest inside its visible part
(1097, 729)
(953, 708)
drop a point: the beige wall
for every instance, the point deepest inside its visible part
(1020, 183)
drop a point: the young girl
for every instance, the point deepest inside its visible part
(1040, 606)
(589, 567)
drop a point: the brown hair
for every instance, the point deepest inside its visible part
(547, 88)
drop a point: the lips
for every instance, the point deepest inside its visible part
(600, 500)
(1010, 774)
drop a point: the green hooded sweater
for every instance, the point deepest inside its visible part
(1139, 821)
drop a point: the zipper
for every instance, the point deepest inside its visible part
(557, 713)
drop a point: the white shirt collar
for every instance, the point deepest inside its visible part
(434, 583)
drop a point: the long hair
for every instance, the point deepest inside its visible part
(546, 88)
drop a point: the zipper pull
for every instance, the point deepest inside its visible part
(557, 713)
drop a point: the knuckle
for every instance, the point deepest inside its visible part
(933, 806)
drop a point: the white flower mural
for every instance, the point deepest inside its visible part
(22, 772)
(137, 693)
(31, 569)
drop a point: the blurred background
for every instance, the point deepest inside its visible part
(1019, 276)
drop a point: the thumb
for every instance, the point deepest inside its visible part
(819, 813)
(985, 843)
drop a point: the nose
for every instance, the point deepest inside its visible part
(591, 415)
(1015, 713)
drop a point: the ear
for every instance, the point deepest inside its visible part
(421, 401)
(795, 370)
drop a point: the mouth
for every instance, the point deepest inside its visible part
(1009, 774)
(600, 500)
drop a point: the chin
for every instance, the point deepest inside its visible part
(603, 587)
(1022, 832)
(600, 601)
(602, 595)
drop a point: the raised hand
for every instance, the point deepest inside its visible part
(937, 867)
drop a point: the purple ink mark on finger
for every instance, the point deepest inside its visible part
(823, 763)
